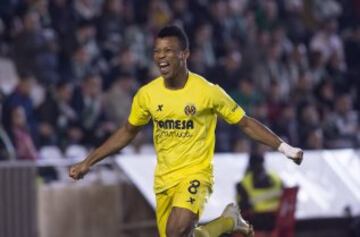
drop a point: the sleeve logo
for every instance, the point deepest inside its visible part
(234, 108)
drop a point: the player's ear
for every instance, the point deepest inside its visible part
(186, 54)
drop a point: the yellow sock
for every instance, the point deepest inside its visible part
(215, 228)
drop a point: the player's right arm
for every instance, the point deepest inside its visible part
(138, 117)
(118, 140)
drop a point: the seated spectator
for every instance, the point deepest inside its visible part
(36, 48)
(259, 192)
(275, 101)
(314, 139)
(286, 125)
(246, 95)
(271, 69)
(342, 126)
(327, 41)
(77, 65)
(303, 89)
(87, 101)
(325, 94)
(317, 66)
(55, 116)
(336, 68)
(24, 145)
(228, 70)
(293, 51)
(111, 25)
(20, 97)
(118, 99)
(204, 44)
(309, 120)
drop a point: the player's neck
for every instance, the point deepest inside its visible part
(178, 81)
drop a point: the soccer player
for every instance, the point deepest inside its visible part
(184, 107)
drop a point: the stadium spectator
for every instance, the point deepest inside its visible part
(305, 46)
(21, 97)
(314, 139)
(24, 144)
(35, 49)
(325, 94)
(78, 66)
(309, 120)
(62, 17)
(296, 62)
(275, 101)
(204, 44)
(219, 19)
(87, 9)
(303, 89)
(317, 66)
(267, 15)
(271, 69)
(88, 103)
(228, 71)
(118, 98)
(246, 95)
(56, 116)
(182, 14)
(342, 125)
(197, 61)
(327, 41)
(111, 26)
(258, 193)
(286, 125)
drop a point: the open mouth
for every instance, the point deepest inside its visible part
(164, 67)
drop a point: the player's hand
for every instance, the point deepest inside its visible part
(298, 158)
(78, 170)
(293, 153)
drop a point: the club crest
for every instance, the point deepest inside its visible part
(190, 110)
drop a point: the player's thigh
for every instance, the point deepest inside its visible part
(192, 194)
(163, 209)
(181, 222)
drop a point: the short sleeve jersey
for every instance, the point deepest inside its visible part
(184, 124)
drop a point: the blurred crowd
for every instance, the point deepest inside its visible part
(69, 69)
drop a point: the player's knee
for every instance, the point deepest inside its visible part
(178, 230)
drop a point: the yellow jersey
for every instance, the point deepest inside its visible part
(184, 122)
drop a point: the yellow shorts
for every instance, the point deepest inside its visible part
(192, 194)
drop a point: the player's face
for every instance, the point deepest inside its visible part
(169, 57)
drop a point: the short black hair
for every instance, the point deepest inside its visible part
(175, 31)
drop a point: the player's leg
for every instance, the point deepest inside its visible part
(163, 209)
(230, 221)
(181, 222)
(187, 205)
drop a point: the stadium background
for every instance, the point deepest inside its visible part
(68, 71)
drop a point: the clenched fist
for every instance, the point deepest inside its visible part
(78, 170)
(293, 153)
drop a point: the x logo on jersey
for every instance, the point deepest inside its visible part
(160, 107)
(191, 200)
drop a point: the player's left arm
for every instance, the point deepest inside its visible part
(259, 132)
